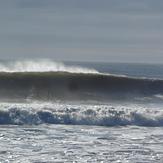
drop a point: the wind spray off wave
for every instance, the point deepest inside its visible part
(41, 65)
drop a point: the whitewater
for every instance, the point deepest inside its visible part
(80, 112)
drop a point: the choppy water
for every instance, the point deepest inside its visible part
(69, 143)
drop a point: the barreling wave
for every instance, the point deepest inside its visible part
(53, 86)
(99, 115)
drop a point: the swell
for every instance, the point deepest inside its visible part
(75, 86)
(81, 115)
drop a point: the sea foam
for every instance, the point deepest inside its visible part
(99, 115)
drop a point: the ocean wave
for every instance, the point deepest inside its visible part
(46, 80)
(99, 115)
(65, 86)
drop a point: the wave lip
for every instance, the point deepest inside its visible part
(81, 115)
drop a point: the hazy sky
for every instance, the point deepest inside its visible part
(87, 30)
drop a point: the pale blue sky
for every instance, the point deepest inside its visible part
(86, 30)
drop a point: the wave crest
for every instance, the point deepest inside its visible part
(41, 65)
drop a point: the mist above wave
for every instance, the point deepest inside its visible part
(41, 65)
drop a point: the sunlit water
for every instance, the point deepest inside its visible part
(67, 143)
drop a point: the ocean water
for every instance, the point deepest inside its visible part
(80, 112)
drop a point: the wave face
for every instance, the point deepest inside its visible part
(53, 86)
(100, 115)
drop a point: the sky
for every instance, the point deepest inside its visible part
(82, 30)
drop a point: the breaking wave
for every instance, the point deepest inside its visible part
(99, 115)
(65, 86)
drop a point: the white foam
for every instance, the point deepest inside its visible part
(160, 96)
(99, 115)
